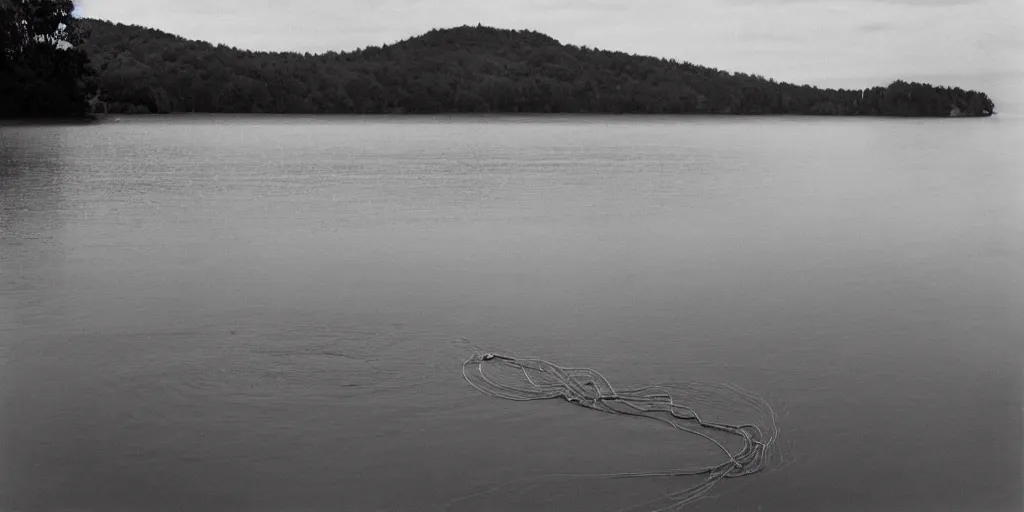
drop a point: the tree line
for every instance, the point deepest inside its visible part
(132, 69)
(42, 70)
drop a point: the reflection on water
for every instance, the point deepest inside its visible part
(33, 206)
(258, 312)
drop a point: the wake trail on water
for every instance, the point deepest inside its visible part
(685, 407)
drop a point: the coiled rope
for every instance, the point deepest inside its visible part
(586, 387)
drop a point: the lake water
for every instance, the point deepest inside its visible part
(261, 313)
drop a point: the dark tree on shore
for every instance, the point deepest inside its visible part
(465, 69)
(43, 72)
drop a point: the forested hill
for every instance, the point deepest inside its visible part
(464, 69)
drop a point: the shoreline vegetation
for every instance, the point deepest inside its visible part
(92, 67)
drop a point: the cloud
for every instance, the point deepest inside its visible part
(928, 3)
(876, 27)
(904, 3)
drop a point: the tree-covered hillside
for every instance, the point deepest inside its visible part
(464, 69)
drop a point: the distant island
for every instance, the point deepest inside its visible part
(133, 70)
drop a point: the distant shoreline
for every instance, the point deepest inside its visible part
(467, 70)
(525, 114)
(110, 118)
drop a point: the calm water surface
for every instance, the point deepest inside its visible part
(258, 313)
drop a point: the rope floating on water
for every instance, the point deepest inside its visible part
(585, 387)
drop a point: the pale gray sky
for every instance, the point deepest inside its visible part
(849, 43)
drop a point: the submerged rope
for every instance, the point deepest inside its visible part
(586, 387)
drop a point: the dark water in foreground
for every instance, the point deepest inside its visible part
(256, 313)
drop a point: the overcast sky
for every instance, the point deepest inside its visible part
(849, 43)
